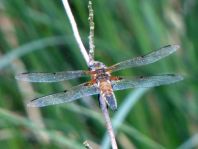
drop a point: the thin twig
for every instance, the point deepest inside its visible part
(89, 60)
(101, 99)
(121, 114)
(91, 33)
(75, 31)
(105, 112)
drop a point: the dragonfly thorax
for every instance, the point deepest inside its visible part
(98, 71)
(95, 65)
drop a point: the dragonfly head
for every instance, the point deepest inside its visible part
(96, 65)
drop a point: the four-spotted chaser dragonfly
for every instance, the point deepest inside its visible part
(102, 82)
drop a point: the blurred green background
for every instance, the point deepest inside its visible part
(36, 36)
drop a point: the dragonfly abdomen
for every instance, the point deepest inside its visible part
(111, 101)
(106, 92)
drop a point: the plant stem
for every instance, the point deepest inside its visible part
(75, 31)
(89, 59)
(103, 107)
(91, 33)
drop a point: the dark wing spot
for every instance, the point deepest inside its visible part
(34, 99)
(120, 78)
(87, 84)
(167, 46)
(54, 73)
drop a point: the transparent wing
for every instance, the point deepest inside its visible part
(51, 77)
(144, 82)
(144, 60)
(66, 96)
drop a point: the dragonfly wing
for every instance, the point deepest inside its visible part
(74, 93)
(144, 60)
(145, 82)
(51, 77)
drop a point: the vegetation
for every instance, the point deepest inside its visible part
(36, 36)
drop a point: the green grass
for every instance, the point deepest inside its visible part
(36, 36)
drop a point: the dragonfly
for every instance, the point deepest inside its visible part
(102, 82)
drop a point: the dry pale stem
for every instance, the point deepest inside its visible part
(91, 33)
(75, 31)
(88, 58)
(108, 123)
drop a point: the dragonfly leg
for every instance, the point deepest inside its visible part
(114, 78)
(91, 82)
